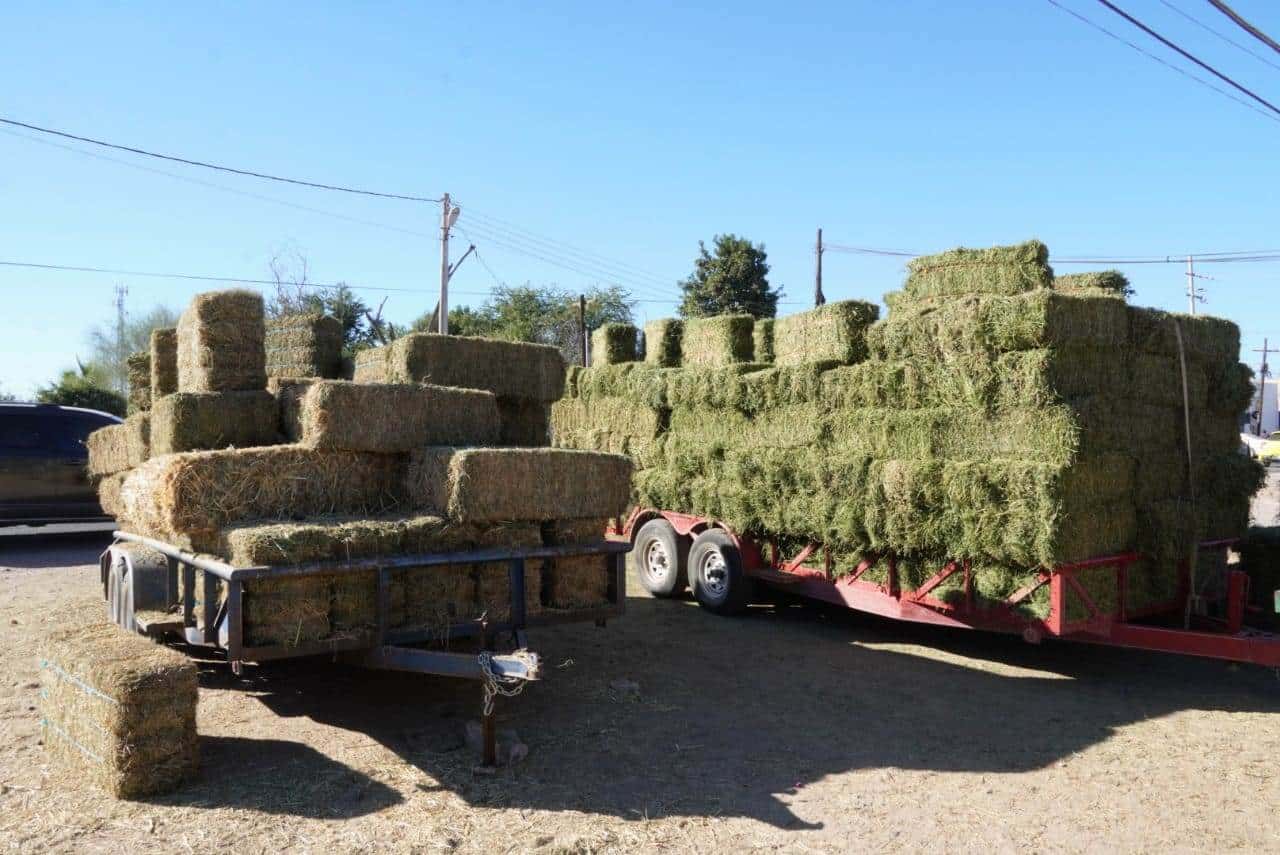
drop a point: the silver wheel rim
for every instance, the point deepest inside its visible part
(714, 573)
(657, 564)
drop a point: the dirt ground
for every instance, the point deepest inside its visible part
(794, 728)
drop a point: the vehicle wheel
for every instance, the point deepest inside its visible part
(660, 558)
(715, 573)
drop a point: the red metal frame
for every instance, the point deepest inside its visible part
(1227, 639)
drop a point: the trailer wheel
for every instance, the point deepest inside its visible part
(715, 572)
(660, 558)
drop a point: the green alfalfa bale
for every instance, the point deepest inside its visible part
(762, 340)
(304, 345)
(612, 344)
(997, 324)
(139, 371)
(1159, 379)
(834, 332)
(1231, 388)
(717, 341)
(221, 343)
(1100, 283)
(998, 270)
(570, 416)
(521, 423)
(781, 386)
(191, 421)
(388, 417)
(505, 368)
(710, 388)
(571, 373)
(164, 362)
(1215, 340)
(120, 447)
(637, 381)
(662, 342)
(118, 710)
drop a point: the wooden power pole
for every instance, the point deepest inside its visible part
(818, 297)
(582, 327)
(1262, 384)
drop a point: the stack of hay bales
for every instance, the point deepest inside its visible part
(525, 378)
(119, 710)
(992, 417)
(332, 469)
(304, 345)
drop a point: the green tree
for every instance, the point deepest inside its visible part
(86, 387)
(732, 280)
(108, 357)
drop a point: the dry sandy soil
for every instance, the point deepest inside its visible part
(793, 728)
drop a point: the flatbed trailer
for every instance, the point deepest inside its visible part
(140, 581)
(721, 566)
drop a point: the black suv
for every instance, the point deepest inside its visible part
(43, 460)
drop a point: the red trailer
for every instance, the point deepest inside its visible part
(722, 567)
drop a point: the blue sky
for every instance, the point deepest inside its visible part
(626, 131)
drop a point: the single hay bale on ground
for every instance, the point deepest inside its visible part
(1103, 283)
(193, 421)
(835, 332)
(490, 485)
(998, 270)
(164, 362)
(188, 498)
(762, 340)
(717, 341)
(662, 342)
(523, 423)
(613, 343)
(119, 710)
(117, 448)
(507, 369)
(220, 343)
(304, 345)
(388, 417)
(139, 369)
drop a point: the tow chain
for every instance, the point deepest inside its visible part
(496, 684)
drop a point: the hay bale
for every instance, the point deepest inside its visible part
(193, 421)
(1103, 283)
(139, 371)
(109, 494)
(322, 538)
(340, 415)
(220, 343)
(662, 342)
(370, 365)
(117, 448)
(188, 498)
(164, 362)
(998, 270)
(637, 381)
(287, 611)
(522, 423)
(835, 332)
(613, 343)
(303, 345)
(1214, 340)
(489, 485)
(579, 581)
(717, 341)
(118, 710)
(507, 369)
(762, 340)
(1158, 379)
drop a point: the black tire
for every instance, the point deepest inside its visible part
(660, 558)
(715, 574)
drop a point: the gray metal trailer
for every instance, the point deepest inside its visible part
(140, 581)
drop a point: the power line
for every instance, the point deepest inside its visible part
(1245, 25)
(205, 165)
(1222, 36)
(1224, 93)
(1209, 68)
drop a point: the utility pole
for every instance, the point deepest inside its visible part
(1262, 384)
(582, 327)
(818, 297)
(1191, 286)
(122, 291)
(448, 216)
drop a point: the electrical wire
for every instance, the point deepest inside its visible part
(1224, 93)
(1209, 68)
(205, 165)
(1245, 25)
(1222, 36)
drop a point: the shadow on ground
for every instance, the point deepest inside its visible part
(733, 713)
